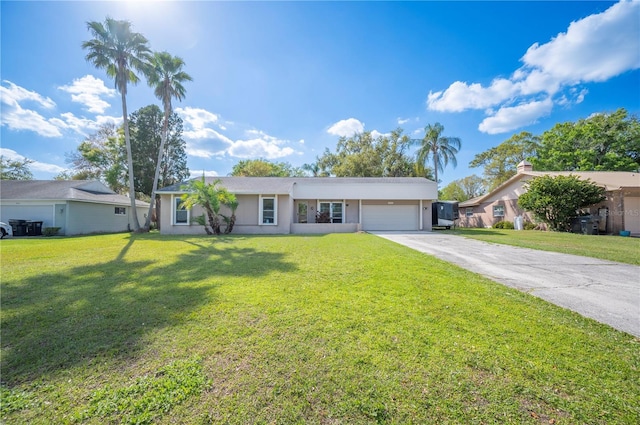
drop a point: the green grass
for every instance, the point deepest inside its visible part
(340, 329)
(612, 248)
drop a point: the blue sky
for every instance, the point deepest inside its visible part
(283, 80)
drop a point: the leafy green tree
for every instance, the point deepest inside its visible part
(555, 200)
(463, 189)
(602, 142)
(14, 169)
(440, 149)
(147, 126)
(101, 157)
(501, 162)
(264, 168)
(362, 155)
(119, 51)
(166, 77)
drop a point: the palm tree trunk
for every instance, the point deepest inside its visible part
(127, 141)
(163, 139)
(435, 166)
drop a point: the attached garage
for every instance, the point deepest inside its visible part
(32, 212)
(390, 217)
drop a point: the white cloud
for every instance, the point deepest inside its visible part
(197, 118)
(513, 117)
(375, 134)
(402, 121)
(83, 125)
(199, 153)
(346, 128)
(462, 96)
(202, 139)
(206, 133)
(35, 165)
(301, 141)
(593, 49)
(15, 117)
(14, 94)
(88, 91)
(259, 148)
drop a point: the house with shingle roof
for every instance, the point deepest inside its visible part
(620, 210)
(284, 205)
(75, 206)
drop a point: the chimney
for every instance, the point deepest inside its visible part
(524, 166)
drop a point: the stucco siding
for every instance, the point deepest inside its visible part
(85, 218)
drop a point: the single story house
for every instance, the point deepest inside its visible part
(76, 206)
(620, 211)
(284, 205)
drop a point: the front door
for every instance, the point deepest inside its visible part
(302, 212)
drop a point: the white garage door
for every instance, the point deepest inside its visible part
(42, 213)
(390, 217)
(632, 214)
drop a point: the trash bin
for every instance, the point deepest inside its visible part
(19, 227)
(34, 228)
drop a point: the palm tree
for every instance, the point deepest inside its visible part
(230, 201)
(166, 77)
(208, 197)
(118, 50)
(441, 149)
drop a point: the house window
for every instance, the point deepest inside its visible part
(180, 214)
(498, 211)
(121, 211)
(268, 210)
(334, 209)
(468, 212)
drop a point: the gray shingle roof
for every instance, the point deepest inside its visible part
(62, 190)
(283, 185)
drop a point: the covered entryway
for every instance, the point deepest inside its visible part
(390, 217)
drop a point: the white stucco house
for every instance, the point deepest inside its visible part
(284, 205)
(75, 206)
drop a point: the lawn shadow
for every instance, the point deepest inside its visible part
(89, 313)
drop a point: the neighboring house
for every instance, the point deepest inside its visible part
(76, 206)
(283, 205)
(620, 211)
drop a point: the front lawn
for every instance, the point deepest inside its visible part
(340, 329)
(612, 248)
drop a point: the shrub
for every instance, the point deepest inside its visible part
(528, 225)
(50, 231)
(503, 225)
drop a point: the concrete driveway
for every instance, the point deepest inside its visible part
(606, 291)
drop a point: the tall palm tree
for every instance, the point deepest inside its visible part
(119, 51)
(441, 149)
(166, 77)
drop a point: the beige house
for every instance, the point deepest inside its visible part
(284, 205)
(620, 211)
(75, 206)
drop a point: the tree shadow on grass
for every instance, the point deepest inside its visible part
(103, 311)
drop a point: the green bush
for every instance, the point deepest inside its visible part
(50, 231)
(503, 225)
(528, 225)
